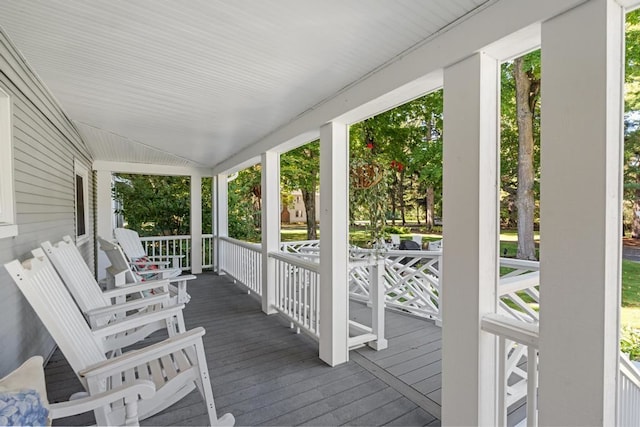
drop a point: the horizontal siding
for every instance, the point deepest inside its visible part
(45, 144)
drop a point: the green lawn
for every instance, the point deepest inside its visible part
(630, 315)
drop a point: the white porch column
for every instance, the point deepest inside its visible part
(582, 53)
(196, 224)
(221, 217)
(470, 266)
(104, 218)
(270, 227)
(334, 235)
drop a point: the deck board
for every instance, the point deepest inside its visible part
(265, 373)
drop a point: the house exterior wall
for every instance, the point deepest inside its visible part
(45, 145)
(297, 212)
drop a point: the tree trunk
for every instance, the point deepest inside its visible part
(394, 192)
(309, 200)
(526, 95)
(635, 225)
(401, 198)
(429, 202)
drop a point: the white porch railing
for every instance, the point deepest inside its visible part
(300, 246)
(411, 280)
(517, 345)
(298, 295)
(179, 245)
(243, 262)
(629, 393)
(298, 291)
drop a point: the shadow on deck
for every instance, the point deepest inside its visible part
(266, 374)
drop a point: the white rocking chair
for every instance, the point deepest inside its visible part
(97, 305)
(131, 245)
(30, 377)
(176, 365)
(121, 273)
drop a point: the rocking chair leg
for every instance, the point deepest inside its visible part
(204, 385)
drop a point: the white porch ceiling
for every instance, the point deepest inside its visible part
(193, 82)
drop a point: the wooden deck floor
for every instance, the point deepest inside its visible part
(266, 374)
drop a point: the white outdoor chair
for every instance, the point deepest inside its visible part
(25, 391)
(97, 305)
(121, 274)
(395, 241)
(435, 246)
(176, 365)
(131, 245)
(417, 238)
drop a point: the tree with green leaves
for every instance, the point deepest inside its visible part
(300, 170)
(632, 122)
(159, 205)
(244, 208)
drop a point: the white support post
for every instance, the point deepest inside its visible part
(214, 224)
(104, 218)
(196, 224)
(581, 199)
(222, 219)
(270, 227)
(470, 267)
(334, 254)
(377, 294)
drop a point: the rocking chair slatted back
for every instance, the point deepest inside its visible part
(76, 274)
(44, 290)
(117, 259)
(130, 242)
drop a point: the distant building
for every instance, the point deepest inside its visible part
(297, 212)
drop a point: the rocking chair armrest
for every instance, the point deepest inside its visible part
(159, 271)
(137, 320)
(135, 264)
(130, 305)
(165, 256)
(131, 288)
(134, 358)
(182, 278)
(145, 388)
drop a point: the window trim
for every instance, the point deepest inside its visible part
(81, 170)
(8, 225)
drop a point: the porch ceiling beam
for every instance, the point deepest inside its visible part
(417, 72)
(149, 169)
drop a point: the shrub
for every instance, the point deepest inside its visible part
(396, 229)
(630, 342)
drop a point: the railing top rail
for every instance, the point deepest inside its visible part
(519, 263)
(156, 238)
(300, 242)
(399, 253)
(251, 246)
(295, 260)
(511, 284)
(629, 369)
(512, 329)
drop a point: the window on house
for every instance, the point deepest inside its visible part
(81, 182)
(8, 225)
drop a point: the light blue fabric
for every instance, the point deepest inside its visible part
(22, 408)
